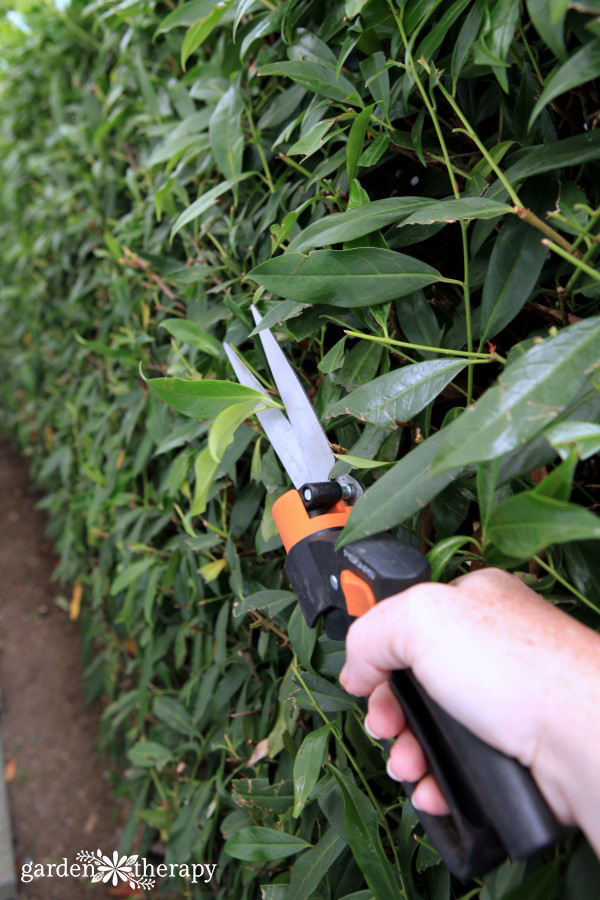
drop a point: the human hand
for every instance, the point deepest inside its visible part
(516, 671)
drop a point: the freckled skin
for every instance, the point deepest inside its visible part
(518, 672)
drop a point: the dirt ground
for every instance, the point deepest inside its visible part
(60, 796)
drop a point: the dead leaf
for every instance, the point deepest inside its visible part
(90, 823)
(260, 751)
(75, 604)
(131, 646)
(10, 769)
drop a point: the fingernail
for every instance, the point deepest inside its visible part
(376, 737)
(390, 772)
(413, 804)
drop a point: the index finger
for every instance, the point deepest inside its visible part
(385, 639)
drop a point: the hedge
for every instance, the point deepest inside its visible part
(409, 191)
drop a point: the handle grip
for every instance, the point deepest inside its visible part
(496, 809)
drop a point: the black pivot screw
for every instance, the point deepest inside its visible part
(323, 494)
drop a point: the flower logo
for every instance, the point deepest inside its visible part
(118, 868)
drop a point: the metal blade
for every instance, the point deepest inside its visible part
(310, 436)
(276, 426)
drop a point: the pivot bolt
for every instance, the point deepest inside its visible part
(333, 582)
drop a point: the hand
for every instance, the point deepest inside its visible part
(514, 669)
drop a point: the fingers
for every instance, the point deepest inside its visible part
(427, 797)
(407, 761)
(385, 718)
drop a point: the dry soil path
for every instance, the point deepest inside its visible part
(60, 795)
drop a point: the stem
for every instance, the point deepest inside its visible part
(552, 571)
(356, 767)
(579, 263)
(530, 217)
(258, 144)
(467, 298)
(588, 253)
(481, 357)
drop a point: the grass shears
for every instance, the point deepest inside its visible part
(496, 809)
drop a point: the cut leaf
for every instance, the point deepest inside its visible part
(205, 469)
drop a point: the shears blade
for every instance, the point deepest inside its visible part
(298, 440)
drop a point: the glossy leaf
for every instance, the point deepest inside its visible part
(202, 399)
(260, 844)
(316, 77)
(515, 265)
(453, 210)
(355, 223)
(528, 396)
(313, 865)
(580, 68)
(199, 32)
(205, 202)
(529, 522)
(344, 277)
(224, 427)
(226, 136)
(399, 395)
(191, 333)
(307, 765)
(583, 436)
(356, 137)
(362, 833)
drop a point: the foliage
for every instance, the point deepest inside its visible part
(409, 191)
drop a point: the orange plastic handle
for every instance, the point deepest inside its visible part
(294, 524)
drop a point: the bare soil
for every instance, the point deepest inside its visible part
(59, 787)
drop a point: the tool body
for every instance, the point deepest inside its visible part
(496, 809)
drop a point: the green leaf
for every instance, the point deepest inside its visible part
(147, 754)
(453, 210)
(529, 394)
(185, 15)
(225, 134)
(307, 766)
(356, 462)
(269, 602)
(202, 399)
(302, 638)
(198, 33)
(191, 333)
(527, 523)
(548, 19)
(347, 278)
(361, 826)
(440, 555)
(400, 394)
(130, 574)
(514, 267)
(260, 844)
(580, 68)
(312, 140)
(173, 714)
(334, 358)
(204, 202)
(205, 469)
(398, 494)
(355, 223)
(559, 483)
(317, 77)
(310, 868)
(223, 428)
(356, 136)
(583, 436)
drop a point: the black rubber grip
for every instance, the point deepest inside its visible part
(496, 809)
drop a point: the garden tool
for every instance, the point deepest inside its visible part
(495, 807)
